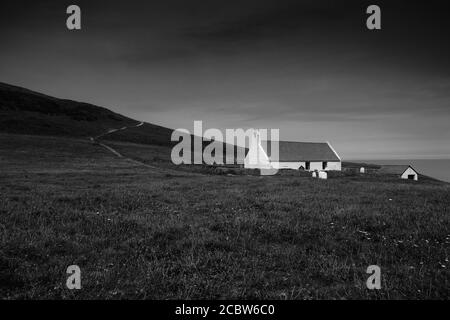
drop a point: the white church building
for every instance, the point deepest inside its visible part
(309, 156)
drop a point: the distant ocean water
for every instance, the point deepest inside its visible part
(435, 168)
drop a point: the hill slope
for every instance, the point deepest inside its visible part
(27, 112)
(23, 111)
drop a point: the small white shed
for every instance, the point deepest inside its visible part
(403, 171)
(410, 173)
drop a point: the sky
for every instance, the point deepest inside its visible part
(309, 68)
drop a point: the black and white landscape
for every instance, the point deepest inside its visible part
(88, 185)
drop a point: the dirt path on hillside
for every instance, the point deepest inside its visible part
(115, 130)
(118, 154)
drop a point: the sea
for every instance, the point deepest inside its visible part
(435, 168)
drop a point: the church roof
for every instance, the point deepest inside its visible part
(291, 151)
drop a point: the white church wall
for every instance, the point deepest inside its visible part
(315, 166)
(288, 165)
(334, 165)
(256, 157)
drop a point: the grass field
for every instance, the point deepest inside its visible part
(138, 232)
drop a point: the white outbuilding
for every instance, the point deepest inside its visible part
(403, 171)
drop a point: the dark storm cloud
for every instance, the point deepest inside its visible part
(310, 67)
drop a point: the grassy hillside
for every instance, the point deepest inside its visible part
(138, 232)
(23, 111)
(27, 112)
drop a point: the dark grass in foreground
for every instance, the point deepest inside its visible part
(139, 233)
